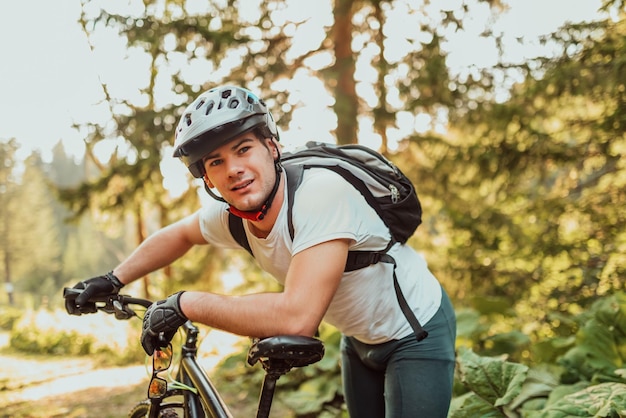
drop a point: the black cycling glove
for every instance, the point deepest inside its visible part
(105, 285)
(161, 322)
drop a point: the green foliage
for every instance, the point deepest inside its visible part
(582, 374)
(9, 316)
(39, 251)
(603, 400)
(575, 377)
(314, 390)
(523, 197)
(58, 334)
(492, 329)
(493, 380)
(589, 379)
(600, 347)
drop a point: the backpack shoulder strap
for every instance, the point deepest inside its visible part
(235, 224)
(294, 178)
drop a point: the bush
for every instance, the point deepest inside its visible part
(8, 317)
(588, 379)
(309, 391)
(57, 333)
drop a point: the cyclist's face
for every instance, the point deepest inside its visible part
(242, 171)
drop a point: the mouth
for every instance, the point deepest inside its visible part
(242, 185)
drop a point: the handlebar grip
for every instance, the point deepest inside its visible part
(71, 293)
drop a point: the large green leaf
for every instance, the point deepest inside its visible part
(601, 342)
(611, 311)
(493, 379)
(603, 400)
(540, 382)
(471, 405)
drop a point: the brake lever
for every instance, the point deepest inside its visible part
(116, 307)
(122, 311)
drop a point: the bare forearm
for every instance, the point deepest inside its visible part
(157, 251)
(257, 315)
(297, 310)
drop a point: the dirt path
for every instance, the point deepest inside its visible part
(37, 386)
(34, 379)
(48, 387)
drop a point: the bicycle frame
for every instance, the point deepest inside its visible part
(191, 373)
(191, 382)
(278, 355)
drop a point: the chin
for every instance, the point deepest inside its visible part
(247, 207)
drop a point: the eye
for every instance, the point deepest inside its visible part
(243, 149)
(212, 162)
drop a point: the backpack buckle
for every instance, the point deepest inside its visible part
(361, 259)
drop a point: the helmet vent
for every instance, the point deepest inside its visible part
(216, 117)
(209, 107)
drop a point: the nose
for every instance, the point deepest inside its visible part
(234, 168)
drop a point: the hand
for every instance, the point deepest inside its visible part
(105, 285)
(161, 322)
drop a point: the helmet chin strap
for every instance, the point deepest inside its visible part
(258, 215)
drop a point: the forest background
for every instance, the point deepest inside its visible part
(517, 161)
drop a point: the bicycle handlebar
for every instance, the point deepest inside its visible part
(119, 305)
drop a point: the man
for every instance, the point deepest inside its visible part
(229, 138)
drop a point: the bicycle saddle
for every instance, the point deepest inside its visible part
(296, 350)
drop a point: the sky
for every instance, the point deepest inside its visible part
(46, 79)
(50, 80)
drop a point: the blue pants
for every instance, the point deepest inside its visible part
(402, 378)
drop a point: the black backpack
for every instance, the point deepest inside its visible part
(382, 184)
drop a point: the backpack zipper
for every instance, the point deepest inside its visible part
(395, 193)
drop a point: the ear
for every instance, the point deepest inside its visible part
(273, 146)
(207, 181)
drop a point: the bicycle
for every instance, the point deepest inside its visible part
(192, 394)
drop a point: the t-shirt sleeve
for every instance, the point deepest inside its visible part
(214, 225)
(328, 207)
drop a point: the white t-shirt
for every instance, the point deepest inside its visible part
(327, 207)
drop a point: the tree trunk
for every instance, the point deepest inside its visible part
(346, 102)
(8, 285)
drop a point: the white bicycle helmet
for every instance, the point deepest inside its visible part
(214, 118)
